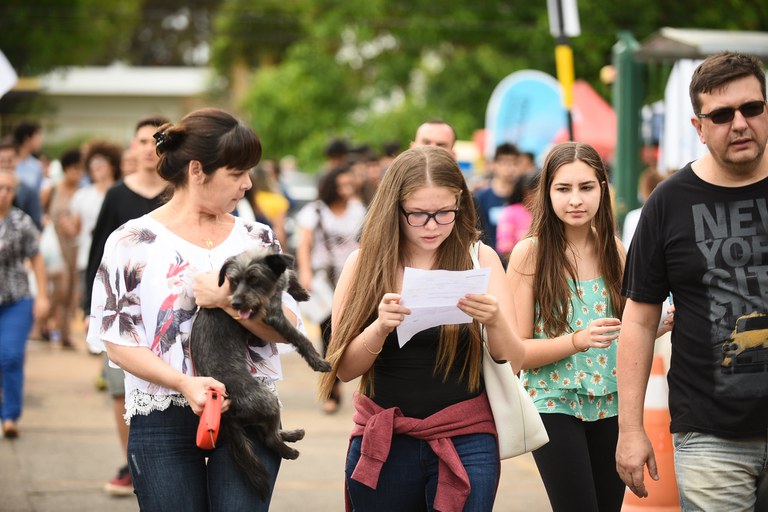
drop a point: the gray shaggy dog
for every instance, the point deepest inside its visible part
(218, 344)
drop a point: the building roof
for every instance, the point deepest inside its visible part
(122, 80)
(680, 43)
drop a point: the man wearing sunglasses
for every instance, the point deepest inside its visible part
(703, 236)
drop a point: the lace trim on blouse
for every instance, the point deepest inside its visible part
(142, 403)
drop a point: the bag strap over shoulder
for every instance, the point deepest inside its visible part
(330, 271)
(474, 252)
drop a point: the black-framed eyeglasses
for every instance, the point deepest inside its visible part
(419, 219)
(726, 114)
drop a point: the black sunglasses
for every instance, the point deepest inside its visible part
(726, 115)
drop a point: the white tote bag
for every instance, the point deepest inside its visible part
(320, 302)
(518, 424)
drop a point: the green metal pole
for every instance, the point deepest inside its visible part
(627, 100)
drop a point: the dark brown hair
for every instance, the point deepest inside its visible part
(109, 150)
(551, 292)
(156, 120)
(721, 69)
(327, 187)
(210, 136)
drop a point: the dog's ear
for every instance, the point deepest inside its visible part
(223, 271)
(278, 263)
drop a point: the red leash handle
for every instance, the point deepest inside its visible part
(210, 419)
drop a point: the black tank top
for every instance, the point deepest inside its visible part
(405, 377)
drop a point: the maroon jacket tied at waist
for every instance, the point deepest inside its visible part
(377, 426)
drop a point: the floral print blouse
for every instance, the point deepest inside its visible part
(142, 296)
(582, 385)
(19, 240)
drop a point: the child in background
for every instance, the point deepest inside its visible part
(516, 218)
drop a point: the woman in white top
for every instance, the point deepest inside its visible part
(102, 164)
(329, 229)
(156, 271)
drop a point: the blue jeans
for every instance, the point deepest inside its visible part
(716, 473)
(408, 479)
(169, 471)
(15, 323)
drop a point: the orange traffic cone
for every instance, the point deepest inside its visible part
(662, 493)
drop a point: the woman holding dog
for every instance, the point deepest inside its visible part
(156, 271)
(422, 217)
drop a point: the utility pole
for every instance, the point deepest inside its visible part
(564, 24)
(627, 100)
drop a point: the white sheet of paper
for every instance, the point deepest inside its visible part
(433, 295)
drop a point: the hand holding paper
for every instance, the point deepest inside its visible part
(433, 295)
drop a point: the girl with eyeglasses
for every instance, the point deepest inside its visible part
(420, 408)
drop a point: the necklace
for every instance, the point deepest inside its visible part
(207, 241)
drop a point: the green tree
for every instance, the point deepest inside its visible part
(306, 70)
(386, 65)
(37, 36)
(172, 33)
(288, 105)
(41, 35)
(253, 34)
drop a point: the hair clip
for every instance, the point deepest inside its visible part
(160, 138)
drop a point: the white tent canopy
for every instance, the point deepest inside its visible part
(682, 43)
(687, 47)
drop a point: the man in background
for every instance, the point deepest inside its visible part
(28, 137)
(491, 200)
(137, 194)
(435, 132)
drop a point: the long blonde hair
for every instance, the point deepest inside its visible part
(382, 251)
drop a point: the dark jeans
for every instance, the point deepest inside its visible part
(169, 471)
(578, 464)
(408, 479)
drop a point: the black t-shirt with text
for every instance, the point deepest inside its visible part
(707, 245)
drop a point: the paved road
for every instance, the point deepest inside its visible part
(68, 445)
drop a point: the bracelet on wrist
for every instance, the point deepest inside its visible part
(365, 346)
(573, 341)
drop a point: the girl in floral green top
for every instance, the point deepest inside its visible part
(567, 281)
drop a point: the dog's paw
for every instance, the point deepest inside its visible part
(321, 365)
(291, 436)
(288, 453)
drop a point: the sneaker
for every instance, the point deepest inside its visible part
(121, 485)
(100, 383)
(10, 430)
